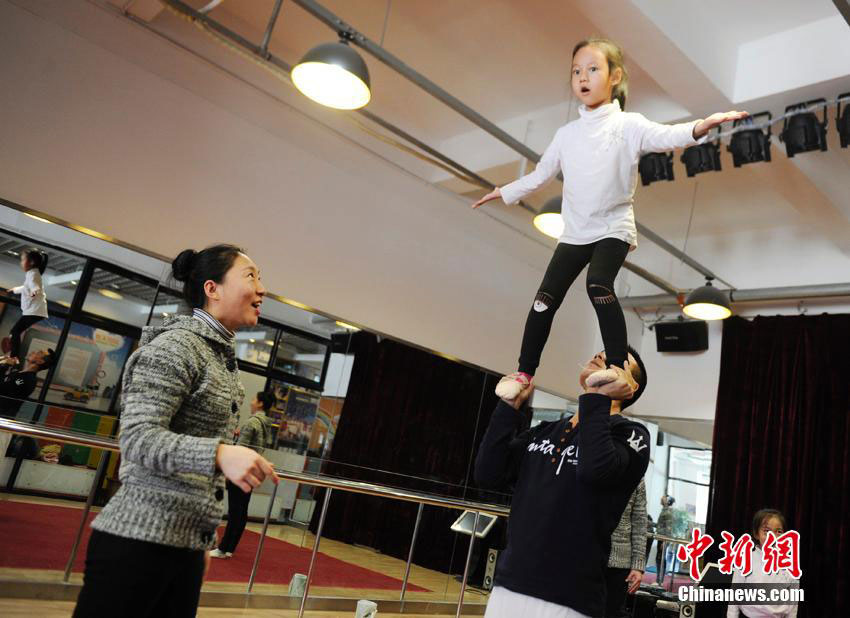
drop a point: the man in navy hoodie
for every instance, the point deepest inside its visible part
(571, 481)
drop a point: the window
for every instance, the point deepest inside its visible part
(299, 356)
(690, 473)
(167, 304)
(255, 344)
(119, 298)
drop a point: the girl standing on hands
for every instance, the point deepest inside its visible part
(148, 552)
(598, 154)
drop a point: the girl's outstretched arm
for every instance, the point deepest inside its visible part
(707, 124)
(545, 171)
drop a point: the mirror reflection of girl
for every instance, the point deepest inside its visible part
(598, 155)
(33, 300)
(149, 547)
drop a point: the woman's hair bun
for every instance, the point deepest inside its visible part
(183, 264)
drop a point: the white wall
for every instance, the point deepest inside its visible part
(681, 384)
(810, 53)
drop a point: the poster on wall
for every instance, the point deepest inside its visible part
(90, 367)
(324, 429)
(75, 362)
(295, 413)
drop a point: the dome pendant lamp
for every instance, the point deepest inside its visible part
(707, 303)
(549, 219)
(333, 75)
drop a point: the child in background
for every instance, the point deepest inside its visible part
(33, 300)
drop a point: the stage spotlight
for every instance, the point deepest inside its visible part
(655, 166)
(750, 145)
(802, 131)
(702, 158)
(842, 122)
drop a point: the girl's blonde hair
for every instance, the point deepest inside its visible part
(614, 55)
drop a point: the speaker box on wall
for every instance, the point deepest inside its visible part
(682, 336)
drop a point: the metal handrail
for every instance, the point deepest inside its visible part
(59, 434)
(667, 539)
(320, 480)
(329, 482)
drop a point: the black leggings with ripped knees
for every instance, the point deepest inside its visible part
(605, 257)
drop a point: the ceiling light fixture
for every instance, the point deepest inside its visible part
(549, 219)
(347, 326)
(702, 158)
(37, 218)
(802, 131)
(655, 166)
(334, 75)
(750, 145)
(111, 294)
(707, 303)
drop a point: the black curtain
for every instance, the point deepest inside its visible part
(419, 416)
(782, 440)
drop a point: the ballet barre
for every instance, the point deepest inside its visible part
(330, 483)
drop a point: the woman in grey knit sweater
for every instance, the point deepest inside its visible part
(148, 551)
(627, 560)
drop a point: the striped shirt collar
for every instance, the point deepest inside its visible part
(203, 316)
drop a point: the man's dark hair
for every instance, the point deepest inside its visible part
(267, 399)
(639, 375)
(48, 360)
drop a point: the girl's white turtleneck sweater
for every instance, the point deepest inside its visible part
(598, 154)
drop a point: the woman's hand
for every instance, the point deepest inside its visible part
(634, 578)
(493, 195)
(706, 125)
(244, 467)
